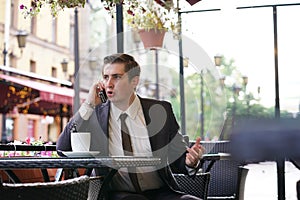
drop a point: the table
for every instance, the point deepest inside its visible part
(88, 163)
(64, 162)
(114, 163)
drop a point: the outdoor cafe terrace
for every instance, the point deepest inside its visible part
(258, 161)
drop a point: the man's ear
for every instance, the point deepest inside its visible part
(135, 81)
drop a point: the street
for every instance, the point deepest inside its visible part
(261, 182)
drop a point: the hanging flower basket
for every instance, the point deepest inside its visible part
(152, 38)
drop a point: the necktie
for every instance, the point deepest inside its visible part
(127, 148)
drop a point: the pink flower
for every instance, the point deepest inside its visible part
(27, 140)
(22, 6)
(130, 12)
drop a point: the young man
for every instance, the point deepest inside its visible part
(152, 127)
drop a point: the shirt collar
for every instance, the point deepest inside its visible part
(132, 110)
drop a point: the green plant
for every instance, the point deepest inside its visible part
(139, 14)
(146, 14)
(54, 5)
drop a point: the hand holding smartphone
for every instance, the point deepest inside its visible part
(101, 94)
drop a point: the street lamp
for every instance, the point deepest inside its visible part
(185, 62)
(21, 37)
(236, 91)
(202, 104)
(156, 74)
(245, 81)
(181, 71)
(64, 66)
(218, 60)
(247, 96)
(76, 87)
(222, 81)
(185, 65)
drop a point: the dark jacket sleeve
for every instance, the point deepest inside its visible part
(99, 137)
(64, 139)
(177, 147)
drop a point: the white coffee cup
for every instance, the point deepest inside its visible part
(80, 141)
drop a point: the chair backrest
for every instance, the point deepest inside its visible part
(240, 190)
(94, 189)
(197, 186)
(71, 189)
(224, 173)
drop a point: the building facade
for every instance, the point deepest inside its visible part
(49, 44)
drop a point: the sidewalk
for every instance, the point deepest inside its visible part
(261, 182)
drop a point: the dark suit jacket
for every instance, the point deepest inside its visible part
(165, 139)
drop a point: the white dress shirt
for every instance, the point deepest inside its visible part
(147, 177)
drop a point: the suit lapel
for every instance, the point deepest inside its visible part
(154, 140)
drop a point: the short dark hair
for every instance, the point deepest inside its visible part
(131, 66)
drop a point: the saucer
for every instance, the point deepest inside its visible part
(81, 153)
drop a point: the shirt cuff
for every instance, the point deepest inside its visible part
(85, 111)
(192, 170)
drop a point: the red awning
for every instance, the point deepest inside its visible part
(35, 97)
(49, 93)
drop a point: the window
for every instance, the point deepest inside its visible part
(32, 66)
(12, 60)
(13, 14)
(54, 72)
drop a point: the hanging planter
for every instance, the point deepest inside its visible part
(152, 38)
(33, 8)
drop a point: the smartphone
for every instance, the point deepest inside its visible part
(102, 95)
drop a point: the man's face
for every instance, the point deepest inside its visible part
(118, 87)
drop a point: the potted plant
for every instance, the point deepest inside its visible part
(145, 16)
(55, 6)
(150, 18)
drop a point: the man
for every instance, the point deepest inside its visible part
(152, 127)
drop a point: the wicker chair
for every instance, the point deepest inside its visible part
(227, 176)
(71, 189)
(197, 185)
(94, 189)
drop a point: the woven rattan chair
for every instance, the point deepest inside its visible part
(94, 189)
(197, 185)
(71, 189)
(227, 176)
